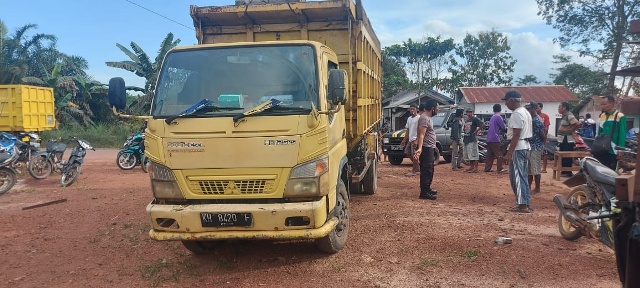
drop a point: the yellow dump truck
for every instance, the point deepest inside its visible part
(263, 129)
(25, 108)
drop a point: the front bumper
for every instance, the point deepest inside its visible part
(269, 221)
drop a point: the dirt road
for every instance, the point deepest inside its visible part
(98, 238)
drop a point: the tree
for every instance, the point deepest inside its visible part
(394, 76)
(581, 80)
(481, 60)
(585, 23)
(141, 64)
(527, 80)
(24, 56)
(426, 59)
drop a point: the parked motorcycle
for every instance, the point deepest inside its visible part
(29, 145)
(592, 210)
(43, 163)
(7, 173)
(132, 153)
(72, 168)
(589, 208)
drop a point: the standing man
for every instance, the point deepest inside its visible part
(426, 145)
(409, 140)
(472, 127)
(537, 145)
(494, 142)
(519, 132)
(589, 126)
(609, 118)
(568, 125)
(546, 123)
(456, 140)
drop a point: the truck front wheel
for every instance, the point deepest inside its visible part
(395, 160)
(200, 247)
(337, 238)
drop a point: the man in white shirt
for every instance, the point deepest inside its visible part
(519, 131)
(409, 141)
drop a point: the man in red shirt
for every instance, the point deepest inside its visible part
(546, 123)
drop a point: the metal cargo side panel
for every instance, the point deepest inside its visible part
(26, 108)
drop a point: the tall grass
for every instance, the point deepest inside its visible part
(100, 136)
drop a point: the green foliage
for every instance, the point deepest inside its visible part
(527, 80)
(394, 76)
(598, 28)
(482, 60)
(427, 60)
(578, 78)
(100, 135)
(141, 64)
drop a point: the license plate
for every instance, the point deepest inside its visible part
(396, 147)
(226, 219)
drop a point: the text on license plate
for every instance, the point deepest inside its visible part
(396, 147)
(226, 219)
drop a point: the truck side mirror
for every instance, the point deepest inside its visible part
(117, 93)
(337, 86)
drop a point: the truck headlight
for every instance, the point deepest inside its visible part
(308, 179)
(163, 182)
(385, 140)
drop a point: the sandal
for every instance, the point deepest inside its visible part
(519, 209)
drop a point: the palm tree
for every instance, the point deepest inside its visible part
(140, 63)
(26, 56)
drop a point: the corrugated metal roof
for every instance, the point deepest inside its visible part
(546, 93)
(406, 97)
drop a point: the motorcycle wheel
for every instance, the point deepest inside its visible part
(39, 167)
(7, 179)
(578, 196)
(70, 174)
(126, 160)
(145, 162)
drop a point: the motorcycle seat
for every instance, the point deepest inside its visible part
(4, 157)
(600, 173)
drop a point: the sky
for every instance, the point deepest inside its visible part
(91, 29)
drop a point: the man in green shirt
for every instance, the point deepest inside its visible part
(609, 118)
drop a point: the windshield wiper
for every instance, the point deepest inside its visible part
(205, 105)
(266, 105)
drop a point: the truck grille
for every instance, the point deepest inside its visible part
(237, 187)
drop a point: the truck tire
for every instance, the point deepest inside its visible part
(395, 160)
(370, 181)
(436, 157)
(337, 238)
(200, 247)
(447, 158)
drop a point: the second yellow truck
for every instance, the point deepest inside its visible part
(287, 98)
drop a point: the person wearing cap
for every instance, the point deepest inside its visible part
(472, 126)
(409, 140)
(519, 131)
(537, 146)
(426, 149)
(494, 143)
(456, 140)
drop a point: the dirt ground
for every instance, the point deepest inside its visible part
(98, 238)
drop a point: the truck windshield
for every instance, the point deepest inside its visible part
(238, 77)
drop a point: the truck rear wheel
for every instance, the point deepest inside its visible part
(337, 238)
(436, 156)
(447, 158)
(370, 181)
(200, 247)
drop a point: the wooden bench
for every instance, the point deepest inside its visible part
(557, 161)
